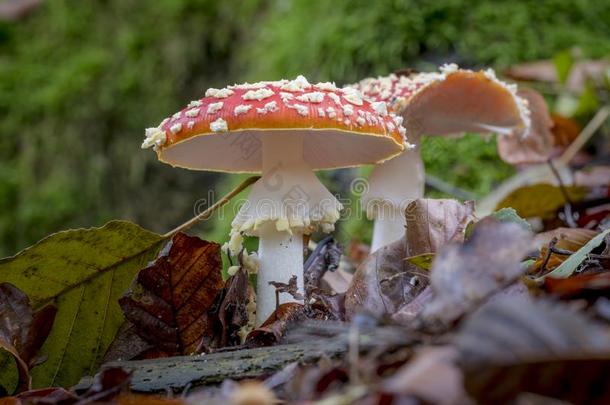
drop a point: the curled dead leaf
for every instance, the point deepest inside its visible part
(22, 333)
(274, 328)
(385, 281)
(463, 275)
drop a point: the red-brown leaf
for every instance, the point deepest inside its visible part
(170, 298)
(22, 331)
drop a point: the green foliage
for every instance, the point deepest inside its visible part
(83, 272)
(79, 82)
(474, 162)
(347, 40)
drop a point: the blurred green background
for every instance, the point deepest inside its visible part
(80, 80)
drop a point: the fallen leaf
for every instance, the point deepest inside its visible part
(289, 288)
(540, 200)
(107, 385)
(465, 274)
(234, 313)
(537, 145)
(587, 286)
(384, 282)
(423, 261)
(22, 333)
(567, 238)
(274, 328)
(570, 265)
(127, 345)
(337, 281)
(502, 215)
(432, 376)
(564, 130)
(325, 258)
(545, 71)
(170, 297)
(45, 396)
(83, 272)
(512, 345)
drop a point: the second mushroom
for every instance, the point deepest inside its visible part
(451, 101)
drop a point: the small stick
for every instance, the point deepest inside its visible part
(585, 135)
(210, 210)
(547, 257)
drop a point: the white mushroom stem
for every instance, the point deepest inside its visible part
(287, 202)
(281, 257)
(392, 185)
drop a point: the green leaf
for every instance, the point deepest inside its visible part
(84, 272)
(502, 215)
(563, 65)
(571, 264)
(423, 261)
(588, 102)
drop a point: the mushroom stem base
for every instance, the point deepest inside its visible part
(281, 257)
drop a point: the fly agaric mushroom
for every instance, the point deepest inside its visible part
(284, 129)
(449, 102)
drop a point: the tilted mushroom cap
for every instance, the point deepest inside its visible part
(538, 146)
(451, 101)
(221, 132)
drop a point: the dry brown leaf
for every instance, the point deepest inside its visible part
(383, 283)
(537, 146)
(570, 239)
(233, 313)
(463, 275)
(274, 328)
(22, 331)
(170, 299)
(512, 345)
(564, 130)
(431, 375)
(545, 71)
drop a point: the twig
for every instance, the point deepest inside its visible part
(210, 210)
(585, 135)
(547, 257)
(567, 207)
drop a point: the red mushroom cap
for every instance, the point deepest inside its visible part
(451, 101)
(222, 130)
